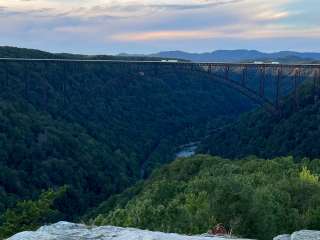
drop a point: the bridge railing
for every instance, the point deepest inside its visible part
(265, 83)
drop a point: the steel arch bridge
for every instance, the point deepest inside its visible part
(264, 83)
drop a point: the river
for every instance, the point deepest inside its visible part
(187, 150)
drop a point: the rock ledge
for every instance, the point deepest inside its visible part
(72, 231)
(300, 235)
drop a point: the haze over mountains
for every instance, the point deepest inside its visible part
(241, 55)
(237, 55)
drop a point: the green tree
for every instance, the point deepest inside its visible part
(306, 176)
(29, 214)
(256, 198)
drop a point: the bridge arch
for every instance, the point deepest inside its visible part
(220, 72)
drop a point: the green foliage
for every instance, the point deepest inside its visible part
(97, 128)
(29, 214)
(306, 176)
(295, 132)
(254, 197)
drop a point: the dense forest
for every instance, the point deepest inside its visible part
(94, 129)
(255, 198)
(95, 143)
(269, 186)
(294, 131)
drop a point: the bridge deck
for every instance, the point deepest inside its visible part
(160, 62)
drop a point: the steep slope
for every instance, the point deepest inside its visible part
(97, 128)
(296, 132)
(256, 198)
(39, 152)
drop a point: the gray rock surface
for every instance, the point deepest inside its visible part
(306, 235)
(300, 235)
(72, 231)
(283, 237)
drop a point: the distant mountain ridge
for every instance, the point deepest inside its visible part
(235, 55)
(240, 55)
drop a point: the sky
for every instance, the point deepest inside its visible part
(148, 26)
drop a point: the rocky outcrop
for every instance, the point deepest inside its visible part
(283, 237)
(71, 231)
(300, 235)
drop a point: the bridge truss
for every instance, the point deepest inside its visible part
(266, 84)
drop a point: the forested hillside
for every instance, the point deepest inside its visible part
(73, 136)
(95, 128)
(294, 131)
(256, 198)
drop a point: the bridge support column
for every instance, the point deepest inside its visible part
(316, 85)
(244, 76)
(297, 75)
(318, 82)
(278, 88)
(262, 81)
(64, 77)
(46, 86)
(7, 75)
(26, 80)
(227, 70)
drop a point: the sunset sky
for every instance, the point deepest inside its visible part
(145, 26)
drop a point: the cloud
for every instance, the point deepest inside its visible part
(94, 8)
(123, 24)
(272, 15)
(239, 31)
(163, 35)
(194, 6)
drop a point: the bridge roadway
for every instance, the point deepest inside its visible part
(233, 75)
(160, 62)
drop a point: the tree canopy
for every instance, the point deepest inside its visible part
(97, 128)
(256, 198)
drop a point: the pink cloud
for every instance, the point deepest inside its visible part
(241, 31)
